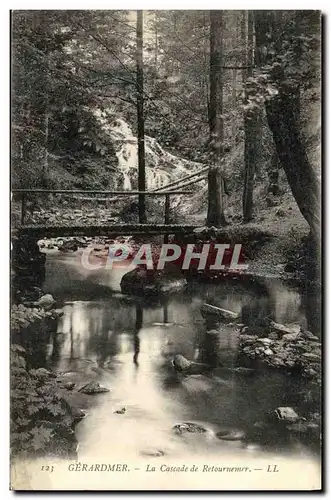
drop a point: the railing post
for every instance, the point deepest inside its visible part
(166, 215)
(23, 208)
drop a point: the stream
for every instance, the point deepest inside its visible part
(127, 345)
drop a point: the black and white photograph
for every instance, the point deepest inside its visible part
(166, 256)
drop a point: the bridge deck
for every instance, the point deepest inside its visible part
(105, 230)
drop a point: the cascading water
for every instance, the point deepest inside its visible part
(161, 166)
(127, 160)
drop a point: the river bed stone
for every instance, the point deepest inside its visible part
(93, 388)
(188, 427)
(294, 351)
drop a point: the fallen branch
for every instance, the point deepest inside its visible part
(207, 309)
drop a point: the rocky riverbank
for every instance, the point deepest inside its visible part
(45, 406)
(289, 348)
(45, 409)
(286, 347)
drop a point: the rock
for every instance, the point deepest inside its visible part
(265, 341)
(310, 336)
(290, 337)
(207, 309)
(248, 339)
(78, 414)
(93, 388)
(314, 338)
(153, 282)
(300, 346)
(268, 352)
(152, 453)
(311, 356)
(188, 427)
(180, 363)
(183, 365)
(120, 412)
(286, 414)
(283, 329)
(230, 435)
(42, 374)
(277, 362)
(46, 301)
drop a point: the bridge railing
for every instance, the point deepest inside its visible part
(179, 183)
(25, 193)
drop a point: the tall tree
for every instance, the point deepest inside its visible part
(215, 214)
(296, 62)
(250, 119)
(140, 117)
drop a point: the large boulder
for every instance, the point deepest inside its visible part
(46, 301)
(153, 282)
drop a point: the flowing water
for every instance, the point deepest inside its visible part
(127, 345)
(161, 166)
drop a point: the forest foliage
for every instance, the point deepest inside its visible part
(65, 63)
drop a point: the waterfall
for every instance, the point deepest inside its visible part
(127, 160)
(161, 167)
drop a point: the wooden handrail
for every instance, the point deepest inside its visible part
(80, 191)
(188, 183)
(174, 183)
(26, 192)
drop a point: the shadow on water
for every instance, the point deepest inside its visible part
(130, 343)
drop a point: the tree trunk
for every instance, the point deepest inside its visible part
(250, 123)
(140, 117)
(283, 119)
(215, 214)
(283, 122)
(236, 42)
(234, 104)
(156, 44)
(46, 129)
(273, 174)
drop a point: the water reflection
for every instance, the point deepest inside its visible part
(132, 343)
(139, 324)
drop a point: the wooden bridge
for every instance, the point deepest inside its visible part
(110, 229)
